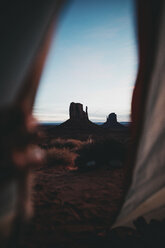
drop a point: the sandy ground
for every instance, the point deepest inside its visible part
(73, 209)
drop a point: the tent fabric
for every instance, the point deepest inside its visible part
(23, 25)
(147, 191)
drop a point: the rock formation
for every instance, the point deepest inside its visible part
(112, 122)
(78, 120)
(76, 112)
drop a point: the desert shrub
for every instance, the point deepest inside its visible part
(72, 144)
(103, 152)
(55, 156)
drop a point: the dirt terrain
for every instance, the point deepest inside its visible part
(73, 209)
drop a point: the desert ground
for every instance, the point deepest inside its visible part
(75, 201)
(75, 206)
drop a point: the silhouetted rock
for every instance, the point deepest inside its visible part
(78, 126)
(78, 119)
(76, 112)
(112, 122)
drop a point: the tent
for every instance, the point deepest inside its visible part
(146, 196)
(26, 31)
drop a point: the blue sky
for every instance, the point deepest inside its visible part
(92, 60)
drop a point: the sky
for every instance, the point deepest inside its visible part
(92, 60)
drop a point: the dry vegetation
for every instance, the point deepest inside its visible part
(56, 156)
(71, 144)
(72, 153)
(75, 210)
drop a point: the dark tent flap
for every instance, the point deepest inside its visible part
(23, 25)
(146, 196)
